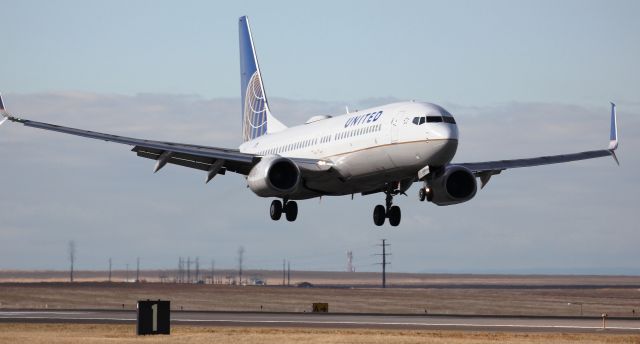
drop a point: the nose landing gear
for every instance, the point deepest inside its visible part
(290, 210)
(390, 211)
(425, 193)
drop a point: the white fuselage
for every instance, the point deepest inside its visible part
(369, 148)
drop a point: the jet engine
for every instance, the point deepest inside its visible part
(274, 177)
(452, 185)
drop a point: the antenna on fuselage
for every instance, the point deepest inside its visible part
(346, 107)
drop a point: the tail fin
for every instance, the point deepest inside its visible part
(256, 116)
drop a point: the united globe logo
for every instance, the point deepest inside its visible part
(255, 109)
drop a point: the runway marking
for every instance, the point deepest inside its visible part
(404, 324)
(363, 323)
(41, 312)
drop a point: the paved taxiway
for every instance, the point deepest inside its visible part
(426, 322)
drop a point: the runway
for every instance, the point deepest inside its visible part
(310, 320)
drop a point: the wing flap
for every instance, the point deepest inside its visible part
(184, 160)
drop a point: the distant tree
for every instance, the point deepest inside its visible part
(72, 258)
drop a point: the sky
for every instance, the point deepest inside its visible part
(522, 78)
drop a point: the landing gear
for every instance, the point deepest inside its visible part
(394, 215)
(425, 193)
(379, 214)
(290, 209)
(276, 210)
(390, 211)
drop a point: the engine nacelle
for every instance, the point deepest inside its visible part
(452, 185)
(274, 177)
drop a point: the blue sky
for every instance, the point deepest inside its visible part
(523, 78)
(565, 51)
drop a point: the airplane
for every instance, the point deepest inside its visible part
(384, 149)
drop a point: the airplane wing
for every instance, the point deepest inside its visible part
(213, 160)
(486, 169)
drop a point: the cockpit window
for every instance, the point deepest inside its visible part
(433, 119)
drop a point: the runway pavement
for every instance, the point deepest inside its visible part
(329, 320)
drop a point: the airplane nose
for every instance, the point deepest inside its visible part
(445, 131)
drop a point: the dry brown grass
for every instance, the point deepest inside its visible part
(329, 277)
(82, 333)
(615, 302)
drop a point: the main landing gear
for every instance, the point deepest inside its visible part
(290, 210)
(390, 211)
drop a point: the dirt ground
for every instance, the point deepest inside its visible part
(95, 334)
(442, 300)
(338, 278)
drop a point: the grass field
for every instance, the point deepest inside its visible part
(95, 334)
(505, 301)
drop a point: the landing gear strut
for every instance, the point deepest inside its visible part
(290, 210)
(390, 211)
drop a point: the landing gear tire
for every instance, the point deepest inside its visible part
(275, 210)
(422, 194)
(291, 211)
(379, 215)
(394, 215)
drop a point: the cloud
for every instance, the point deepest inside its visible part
(56, 187)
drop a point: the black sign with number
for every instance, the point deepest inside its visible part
(154, 317)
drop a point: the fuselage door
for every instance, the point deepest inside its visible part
(395, 126)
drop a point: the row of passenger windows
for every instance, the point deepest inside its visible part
(433, 119)
(323, 139)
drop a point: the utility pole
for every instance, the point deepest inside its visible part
(284, 273)
(72, 258)
(288, 273)
(197, 269)
(179, 272)
(137, 269)
(384, 262)
(213, 271)
(240, 261)
(109, 269)
(188, 269)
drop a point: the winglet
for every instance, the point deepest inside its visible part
(3, 112)
(613, 134)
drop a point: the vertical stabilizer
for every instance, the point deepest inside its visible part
(256, 116)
